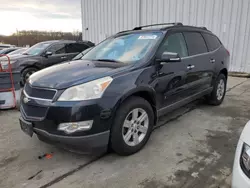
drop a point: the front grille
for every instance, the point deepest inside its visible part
(39, 92)
(31, 112)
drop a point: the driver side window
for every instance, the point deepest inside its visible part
(175, 43)
(57, 49)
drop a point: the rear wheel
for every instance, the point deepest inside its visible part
(219, 91)
(132, 126)
(26, 74)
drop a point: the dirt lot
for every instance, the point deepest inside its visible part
(192, 147)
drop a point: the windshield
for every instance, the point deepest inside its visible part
(37, 49)
(125, 48)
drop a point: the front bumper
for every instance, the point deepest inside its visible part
(239, 178)
(96, 143)
(45, 116)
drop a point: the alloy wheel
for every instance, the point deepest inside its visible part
(220, 90)
(135, 127)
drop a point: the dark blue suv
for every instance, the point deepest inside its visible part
(113, 96)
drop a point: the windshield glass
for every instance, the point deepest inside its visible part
(37, 49)
(125, 48)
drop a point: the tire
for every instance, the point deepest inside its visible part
(18, 105)
(119, 131)
(26, 74)
(219, 87)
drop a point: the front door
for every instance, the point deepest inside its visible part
(58, 55)
(172, 84)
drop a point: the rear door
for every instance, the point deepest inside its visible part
(58, 55)
(199, 69)
(171, 85)
(214, 47)
(73, 49)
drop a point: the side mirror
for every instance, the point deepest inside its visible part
(47, 54)
(169, 57)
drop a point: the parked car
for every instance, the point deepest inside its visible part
(45, 54)
(3, 46)
(241, 168)
(8, 50)
(114, 95)
(19, 51)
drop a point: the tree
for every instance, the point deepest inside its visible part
(31, 37)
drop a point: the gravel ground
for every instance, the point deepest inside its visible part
(192, 147)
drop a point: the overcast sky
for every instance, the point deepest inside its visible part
(52, 15)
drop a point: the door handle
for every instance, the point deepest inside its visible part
(63, 57)
(189, 67)
(212, 60)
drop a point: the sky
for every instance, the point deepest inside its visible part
(51, 15)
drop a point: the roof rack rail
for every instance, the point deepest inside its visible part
(203, 28)
(175, 23)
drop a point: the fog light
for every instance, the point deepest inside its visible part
(75, 126)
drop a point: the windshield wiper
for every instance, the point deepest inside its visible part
(25, 54)
(108, 60)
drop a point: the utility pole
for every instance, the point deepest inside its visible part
(17, 33)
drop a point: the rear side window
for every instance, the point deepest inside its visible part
(174, 43)
(75, 48)
(196, 43)
(213, 42)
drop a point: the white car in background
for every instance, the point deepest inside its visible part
(241, 168)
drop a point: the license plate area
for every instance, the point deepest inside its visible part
(26, 127)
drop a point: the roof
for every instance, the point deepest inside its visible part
(167, 26)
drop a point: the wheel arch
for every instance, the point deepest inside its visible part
(29, 66)
(144, 92)
(224, 71)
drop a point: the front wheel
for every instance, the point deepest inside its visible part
(132, 126)
(26, 74)
(219, 91)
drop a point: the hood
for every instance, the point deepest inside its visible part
(72, 73)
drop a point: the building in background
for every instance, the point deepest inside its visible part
(228, 19)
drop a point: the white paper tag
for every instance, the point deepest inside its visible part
(147, 37)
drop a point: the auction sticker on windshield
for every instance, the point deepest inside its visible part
(147, 37)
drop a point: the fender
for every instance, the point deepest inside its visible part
(25, 63)
(139, 89)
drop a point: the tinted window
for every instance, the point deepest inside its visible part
(196, 43)
(75, 48)
(212, 42)
(57, 49)
(175, 43)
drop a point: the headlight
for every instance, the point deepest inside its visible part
(86, 91)
(245, 159)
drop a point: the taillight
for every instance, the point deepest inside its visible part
(228, 52)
